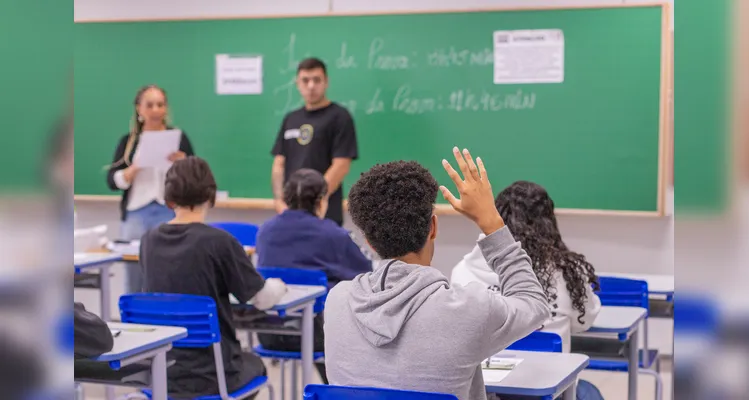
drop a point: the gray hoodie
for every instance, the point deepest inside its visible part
(420, 333)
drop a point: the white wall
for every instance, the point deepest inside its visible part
(615, 244)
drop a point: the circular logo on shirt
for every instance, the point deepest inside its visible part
(306, 132)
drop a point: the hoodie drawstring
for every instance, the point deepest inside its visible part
(385, 274)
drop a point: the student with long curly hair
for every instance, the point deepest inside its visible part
(567, 278)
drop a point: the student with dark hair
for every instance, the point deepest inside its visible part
(300, 237)
(319, 136)
(318, 243)
(142, 206)
(567, 278)
(404, 326)
(187, 256)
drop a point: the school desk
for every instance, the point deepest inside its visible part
(135, 257)
(102, 262)
(624, 324)
(540, 375)
(136, 343)
(298, 297)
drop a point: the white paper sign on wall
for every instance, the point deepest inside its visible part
(239, 74)
(529, 56)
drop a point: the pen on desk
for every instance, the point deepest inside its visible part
(117, 334)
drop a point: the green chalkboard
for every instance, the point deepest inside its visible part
(417, 85)
(36, 54)
(701, 119)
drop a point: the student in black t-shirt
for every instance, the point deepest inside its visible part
(319, 136)
(188, 257)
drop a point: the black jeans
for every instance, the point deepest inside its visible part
(294, 343)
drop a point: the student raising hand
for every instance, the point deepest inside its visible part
(476, 198)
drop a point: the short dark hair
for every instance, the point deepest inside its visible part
(312, 63)
(304, 190)
(392, 204)
(190, 183)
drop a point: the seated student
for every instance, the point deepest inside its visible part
(92, 335)
(301, 237)
(189, 257)
(404, 326)
(566, 277)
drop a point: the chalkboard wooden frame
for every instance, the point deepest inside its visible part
(666, 87)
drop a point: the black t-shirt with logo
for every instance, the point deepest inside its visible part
(312, 139)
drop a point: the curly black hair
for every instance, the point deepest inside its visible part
(528, 211)
(392, 204)
(304, 190)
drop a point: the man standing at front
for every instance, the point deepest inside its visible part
(320, 136)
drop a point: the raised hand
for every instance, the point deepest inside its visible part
(476, 198)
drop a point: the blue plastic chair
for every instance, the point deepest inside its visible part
(328, 392)
(694, 314)
(629, 293)
(199, 316)
(244, 232)
(548, 342)
(293, 276)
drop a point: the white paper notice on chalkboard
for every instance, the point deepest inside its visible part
(529, 56)
(239, 74)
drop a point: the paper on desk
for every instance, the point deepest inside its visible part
(496, 375)
(154, 148)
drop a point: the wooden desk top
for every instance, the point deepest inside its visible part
(134, 257)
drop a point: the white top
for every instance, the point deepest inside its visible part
(563, 322)
(147, 186)
(89, 260)
(615, 319)
(135, 339)
(540, 374)
(657, 284)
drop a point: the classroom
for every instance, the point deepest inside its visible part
(281, 122)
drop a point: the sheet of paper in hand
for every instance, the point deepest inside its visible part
(154, 148)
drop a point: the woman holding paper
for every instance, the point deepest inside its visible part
(142, 206)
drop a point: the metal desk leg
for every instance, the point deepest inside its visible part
(307, 344)
(634, 365)
(105, 292)
(109, 392)
(571, 392)
(158, 376)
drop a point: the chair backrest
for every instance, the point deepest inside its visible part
(548, 342)
(695, 314)
(244, 232)
(328, 392)
(623, 292)
(197, 314)
(298, 276)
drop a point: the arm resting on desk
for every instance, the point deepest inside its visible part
(92, 335)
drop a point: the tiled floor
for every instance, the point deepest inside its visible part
(613, 386)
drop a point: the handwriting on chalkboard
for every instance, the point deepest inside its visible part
(461, 100)
(451, 57)
(345, 60)
(378, 59)
(406, 99)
